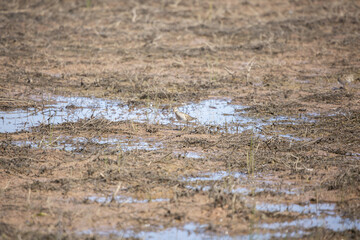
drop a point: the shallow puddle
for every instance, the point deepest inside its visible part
(188, 154)
(129, 144)
(292, 229)
(326, 208)
(244, 184)
(123, 199)
(255, 190)
(334, 223)
(215, 112)
(61, 145)
(285, 136)
(72, 109)
(218, 113)
(214, 176)
(321, 215)
(188, 231)
(79, 143)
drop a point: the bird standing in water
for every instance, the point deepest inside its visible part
(182, 117)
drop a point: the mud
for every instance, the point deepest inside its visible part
(90, 146)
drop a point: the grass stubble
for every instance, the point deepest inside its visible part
(283, 60)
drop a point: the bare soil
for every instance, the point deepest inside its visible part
(295, 58)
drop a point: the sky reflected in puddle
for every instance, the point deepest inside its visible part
(214, 176)
(188, 154)
(334, 223)
(197, 231)
(286, 136)
(189, 231)
(323, 215)
(320, 215)
(67, 143)
(244, 184)
(212, 112)
(123, 199)
(327, 208)
(72, 109)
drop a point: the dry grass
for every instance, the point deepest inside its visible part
(281, 59)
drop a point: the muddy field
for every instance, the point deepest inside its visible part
(90, 147)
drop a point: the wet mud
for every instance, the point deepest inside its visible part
(90, 147)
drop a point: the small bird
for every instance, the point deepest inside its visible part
(182, 116)
(345, 80)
